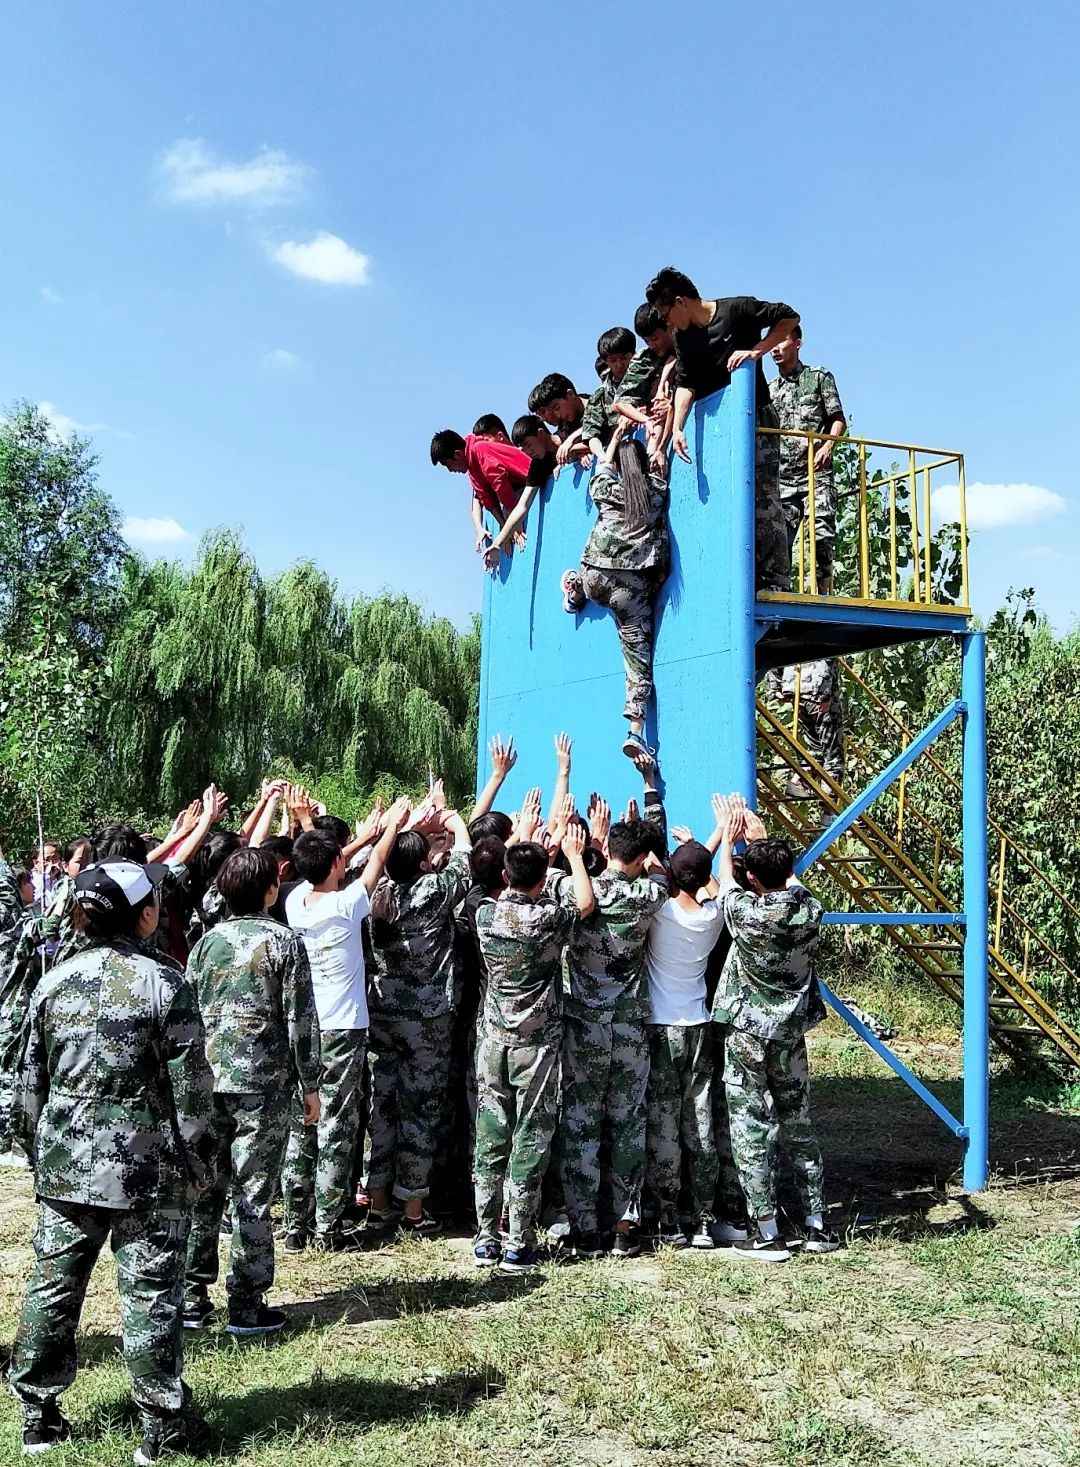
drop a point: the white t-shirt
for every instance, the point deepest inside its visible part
(330, 927)
(680, 942)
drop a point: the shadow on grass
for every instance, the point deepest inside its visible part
(393, 1298)
(889, 1161)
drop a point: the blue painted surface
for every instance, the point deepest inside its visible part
(543, 671)
(977, 907)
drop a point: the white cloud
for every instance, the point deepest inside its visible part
(997, 506)
(155, 531)
(65, 427)
(280, 360)
(326, 257)
(49, 295)
(192, 174)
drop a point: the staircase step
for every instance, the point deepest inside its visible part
(1028, 1030)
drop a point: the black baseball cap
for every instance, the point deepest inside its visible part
(691, 863)
(117, 886)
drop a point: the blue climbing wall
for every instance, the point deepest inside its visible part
(543, 670)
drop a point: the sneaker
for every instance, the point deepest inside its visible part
(725, 1234)
(198, 1312)
(796, 789)
(626, 1245)
(522, 1260)
(382, 1221)
(51, 1429)
(337, 1240)
(260, 1320)
(486, 1253)
(821, 1240)
(635, 747)
(573, 592)
(586, 1245)
(766, 1250)
(296, 1240)
(424, 1226)
(165, 1437)
(703, 1237)
(669, 1234)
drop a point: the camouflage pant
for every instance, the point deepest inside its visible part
(516, 1114)
(250, 1133)
(729, 1204)
(821, 728)
(410, 1062)
(631, 598)
(679, 1115)
(605, 1072)
(793, 497)
(316, 1182)
(768, 1096)
(772, 551)
(149, 1250)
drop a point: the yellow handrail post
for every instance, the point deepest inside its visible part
(796, 695)
(892, 539)
(1000, 891)
(927, 533)
(864, 528)
(962, 486)
(901, 796)
(913, 505)
(811, 508)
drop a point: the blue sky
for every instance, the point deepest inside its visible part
(263, 251)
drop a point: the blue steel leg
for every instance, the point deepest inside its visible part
(740, 579)
(976, 909)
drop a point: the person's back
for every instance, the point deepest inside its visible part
(522, 939)
(416, 948)
(681, 938)
(767, 986)
(605, 958)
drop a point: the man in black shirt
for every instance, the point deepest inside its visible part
(712, 339)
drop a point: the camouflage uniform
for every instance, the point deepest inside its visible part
(807, 399)
(642, 378)
(624, 568)
(316, 1181)
(772, 548)
(113, 1105)
(605, 1056)
(253, 982)
(517, 1070)
(411, 1006)
(767, 998)
(680, 1121)
(20, 971)
(821, 712)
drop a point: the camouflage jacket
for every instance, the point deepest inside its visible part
(10, 905)
(601, 419)
(605, 957)
(612, 544)
(209, 912)
(522, 941)
(642, 378)
(253, 982)
(808, 400)
(114, 1092)
(767, 987)
(20, 972)
(819, 682)
(68, 940)
(415, 977)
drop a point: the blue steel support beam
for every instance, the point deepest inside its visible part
(895, 1064)
(739, 545)
(976, 905)
(858, 807)
(894, 919)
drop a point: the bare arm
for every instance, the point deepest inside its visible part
(510, 525)
(574, 850)
(684, 398)
(563, 746)
(503, 759)
(260, 830)
(479, 527)
(396, 817)
(778, 333)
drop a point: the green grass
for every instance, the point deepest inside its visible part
(947, 1332)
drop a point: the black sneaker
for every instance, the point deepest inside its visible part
(382, 1222)
(821, 1240)
(522, 1260)
(337, 1241)
(586, 1245)
(703, 1237)
(51, 1429)
(486, 1253)
(260, 1320)
(626, 1245)
(424, 1226)
(198, 1312)
(669, 1234)
(766, 1250)
(296, 1240)
(726, 1234)
(165, 1437)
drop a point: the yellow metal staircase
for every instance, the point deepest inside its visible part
(895, 858)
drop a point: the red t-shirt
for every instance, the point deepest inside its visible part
(497, 471)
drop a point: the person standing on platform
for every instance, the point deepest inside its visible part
(805, 398)
(821, 717)
(712, 339)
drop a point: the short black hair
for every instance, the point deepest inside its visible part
(630, 839)
(615, 339)
(691, 866)
(600, 368)
(279, 846)
(487, 860)
(407, 856)
(245, 879)
(120, 843)
(489, 423)
(527, 426)
(22, 876)
(209, 859)
(771, 861)
(75, 845)
(544, 393)
(313, 856)
(445, 445)
(493, 823)
(648, 319)
(796, 331)
(526, 864)
(335, 826)
(667, 284)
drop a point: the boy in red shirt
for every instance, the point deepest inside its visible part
(497, 473)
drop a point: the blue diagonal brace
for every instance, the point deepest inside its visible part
(895, 1064)
(858, 807)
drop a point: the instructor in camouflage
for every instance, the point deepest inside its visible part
(113, 1106)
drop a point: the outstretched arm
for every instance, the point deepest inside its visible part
(396, 817)
(563, 746)
(510, 527)
(574, 850)
(503, 759)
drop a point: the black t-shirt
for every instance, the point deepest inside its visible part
(540, 470)
(738, 324)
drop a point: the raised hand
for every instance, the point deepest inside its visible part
(503, 756)
(599, 821)
(563, 746)
(631, 813)
(573, 841)
(398, 814)
(753, 826)
(682, 834)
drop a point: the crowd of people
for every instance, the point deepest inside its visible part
(571, 1033)
(625, 430)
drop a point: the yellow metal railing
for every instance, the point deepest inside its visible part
(891, 561)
